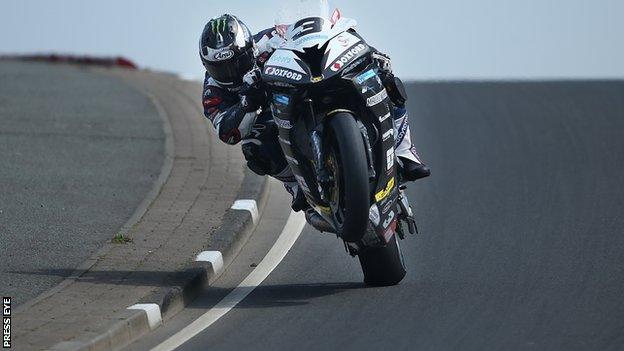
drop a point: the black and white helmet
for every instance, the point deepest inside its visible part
(227, 50)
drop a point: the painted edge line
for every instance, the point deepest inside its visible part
(287, 238)
(247, 205)
(152, 310)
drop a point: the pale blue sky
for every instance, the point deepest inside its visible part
(442, 39)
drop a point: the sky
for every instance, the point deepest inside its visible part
(427, 40)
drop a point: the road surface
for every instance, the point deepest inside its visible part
(521, 245)
(79, 152)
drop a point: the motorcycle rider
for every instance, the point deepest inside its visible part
(232, 100)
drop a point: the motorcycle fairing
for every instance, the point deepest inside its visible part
(335, 57)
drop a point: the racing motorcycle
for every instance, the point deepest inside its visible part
(336, 130)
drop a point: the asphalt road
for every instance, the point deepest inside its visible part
(78, 153)
(521, 245)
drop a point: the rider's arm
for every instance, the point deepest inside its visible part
(232, 116)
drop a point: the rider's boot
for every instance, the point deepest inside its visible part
(299, 201)
(411, 170)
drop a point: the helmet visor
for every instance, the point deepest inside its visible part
(230, 72)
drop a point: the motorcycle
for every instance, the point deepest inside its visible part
(336, 130)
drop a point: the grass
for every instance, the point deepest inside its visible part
(121, 239)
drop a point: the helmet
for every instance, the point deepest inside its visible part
(227, 50)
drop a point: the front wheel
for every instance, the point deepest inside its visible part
(350, 195)
(383, 266)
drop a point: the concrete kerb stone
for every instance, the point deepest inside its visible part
(237, 227)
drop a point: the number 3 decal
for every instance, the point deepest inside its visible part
(308, 26)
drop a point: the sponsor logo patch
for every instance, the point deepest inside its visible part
(281, 84)
(282, 123)
(377, 98)
(374, 215)
(281, 99)
(402, 132)
(385, 192)
(381, 119)
(310, 38)
(224, 55)
(337, 66)
(285, 60)
(347, 57)
(284, 73)
(389, 159)
(389, 134)
(365, 76)
(219, 24)
(387, 207)
(354, 64)
(344, 41)
(387, 222)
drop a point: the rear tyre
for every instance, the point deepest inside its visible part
(383, 266)
(347, 161)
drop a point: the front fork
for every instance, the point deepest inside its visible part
(323, 178)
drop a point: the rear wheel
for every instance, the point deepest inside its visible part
(383, 266)
(350, 195)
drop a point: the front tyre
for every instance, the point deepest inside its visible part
(383, 266)
(350, 194)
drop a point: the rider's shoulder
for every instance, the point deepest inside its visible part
(213, 88)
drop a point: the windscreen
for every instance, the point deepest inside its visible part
(293, 11)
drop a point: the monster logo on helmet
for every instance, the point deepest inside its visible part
(219, 24)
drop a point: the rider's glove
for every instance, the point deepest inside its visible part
(252, 95)
(252, 99)
(253, 77)
(383, 61)
(393, 85)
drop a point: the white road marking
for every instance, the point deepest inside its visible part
(288, 237)
(214, 257)
(153, 313)
(247, 205)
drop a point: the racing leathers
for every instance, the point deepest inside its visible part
(244, 116)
